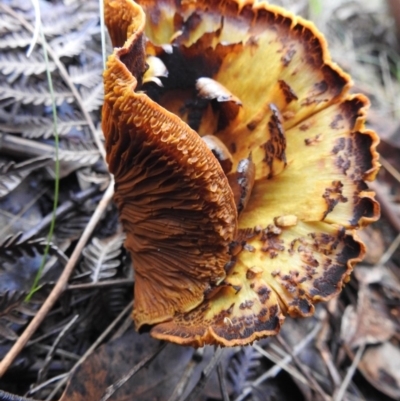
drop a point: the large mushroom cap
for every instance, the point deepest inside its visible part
(261, 81)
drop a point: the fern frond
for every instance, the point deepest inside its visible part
(59, 19)
(38, 94)
(13, 40)
(10, 300)
(242, 367)
(12, 174)
(16, 63)
(8, 24)
(13, 310)
(101, 257)
(93, 97)
(73, 43)
(87, 75)
(81, 153)
(43, 127)
(14, 247)
(71, 226)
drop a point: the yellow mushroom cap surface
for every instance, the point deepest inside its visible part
(260, 80)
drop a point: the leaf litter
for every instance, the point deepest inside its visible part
(316, 358)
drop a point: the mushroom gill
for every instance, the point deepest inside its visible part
(285, 148)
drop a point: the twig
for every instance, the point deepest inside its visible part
(222, 382)
(303, 369)
(342, 390)
(113, 388)
(276, 369)
(50, 354)
(61, 283)
(187, 374)
(389, 168)
(101, 284)
(52, 380)
(279, 362)
(205, 374)
(390, 251)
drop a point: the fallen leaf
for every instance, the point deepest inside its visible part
(380, 365)
(369, 322)
(112, 361)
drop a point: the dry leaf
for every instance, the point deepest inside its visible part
(380, 365)
(113, 360)
(369, 323)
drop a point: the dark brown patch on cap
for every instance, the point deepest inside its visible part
(252, 125)
(332, 280)
(313, 141)
(275, 146)
(363, 156)
(244, 327)
(246, 305)
(333, 195)
(343, 164)
(263, 294)
(305, 126)
(340, 145)
(288, 92)
(352, 109)
(335, 122)
(320, 88)
(273, 245)
(302, 306)
(287, 57)
(365, 207)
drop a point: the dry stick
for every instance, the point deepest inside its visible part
(52, 380)
(44, 369)
(277, 361)
(101, 284)
(303, 369)
(114, 387)
(222, 383)
(187, 374)
(287, 359)
(389, 168)
(350, 373)
(61, 283)
(64, 74)
(205, 374)
(283, 353)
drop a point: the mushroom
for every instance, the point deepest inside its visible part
(229, 235)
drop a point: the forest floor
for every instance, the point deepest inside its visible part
(349, 350)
